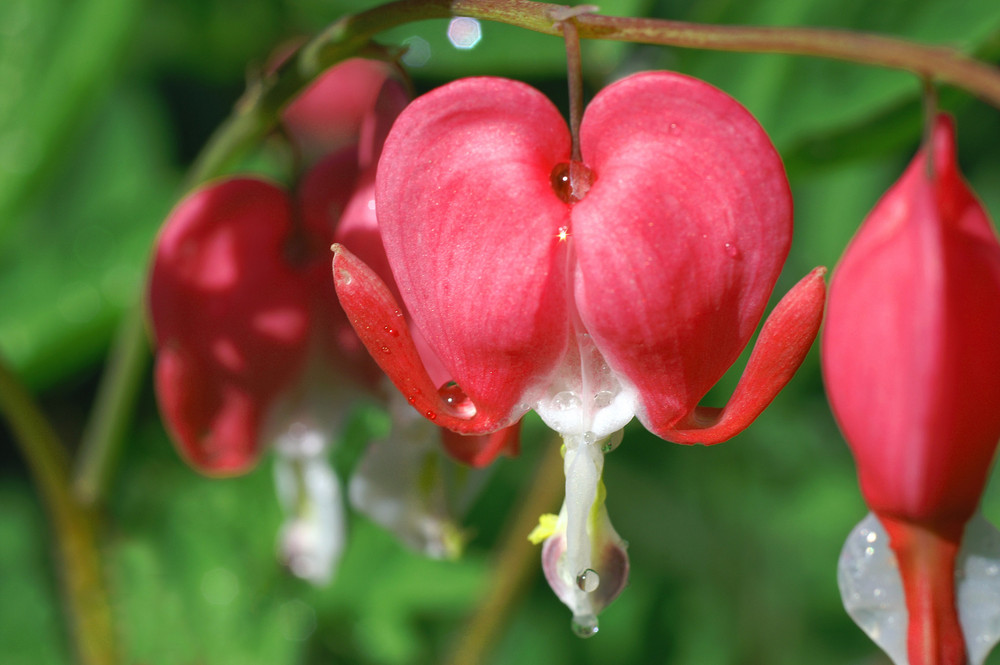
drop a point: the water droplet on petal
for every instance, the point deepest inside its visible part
(411, 398)
(584, 625)
(674, 129)
(391, 331)
(732, 250)
(453, 395)
(603, 398)
(430, 415)
(588, 580)
(589, 438)
(613, 441)
(385, 349)
(565, 400)
(345, 277)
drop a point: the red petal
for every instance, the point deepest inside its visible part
(331, 112)
(781, 347)
(230, 316)
(681, 237)
(470, 225)
(480, 450)
(910, 352)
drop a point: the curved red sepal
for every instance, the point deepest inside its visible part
(781, 347)
(379, 322)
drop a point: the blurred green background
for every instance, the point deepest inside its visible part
(103, 106)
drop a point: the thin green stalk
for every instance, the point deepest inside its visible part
(104, 435)
(351, 35)
(87, 606)
(514, 565)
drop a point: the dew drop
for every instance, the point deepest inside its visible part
(674, 129)
(588, 580)
(589, 438)
(411, 398)
(603, 398)
(391, 331)
(430, 415)
(345, 277)
(559, 179)
(565, 400)
(584, 625)
(732, 250)
(385, 349)
(453, 395)
(565, 175)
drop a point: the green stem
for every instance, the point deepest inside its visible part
(74, 526)
(514, 565)
(109, 419)
(257, 114)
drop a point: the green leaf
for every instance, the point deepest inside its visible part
(77, 259)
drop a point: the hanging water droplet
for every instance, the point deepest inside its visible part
(584, 625)
(603, 398)
(566, 400)
(588, 580)
(455, 397)
(612, 442)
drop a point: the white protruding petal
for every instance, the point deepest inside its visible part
(583, 465)
(978, 578)
(872, 590)
(311, 540)
(406, 484)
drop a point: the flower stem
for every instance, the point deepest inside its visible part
(105, 432)
(926, 560)
(574, 77)
(515, 563)
(87, 604)
(257, 113)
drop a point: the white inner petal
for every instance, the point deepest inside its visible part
(586, 396)
(583, 465)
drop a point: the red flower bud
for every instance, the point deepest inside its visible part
(912, 365)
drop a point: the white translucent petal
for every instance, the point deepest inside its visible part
(979, 588)
(311, 540)
(872, 591)
(410, 487)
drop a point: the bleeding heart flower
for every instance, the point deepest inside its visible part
(912, 368)
(622, 285)
(254, 352)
